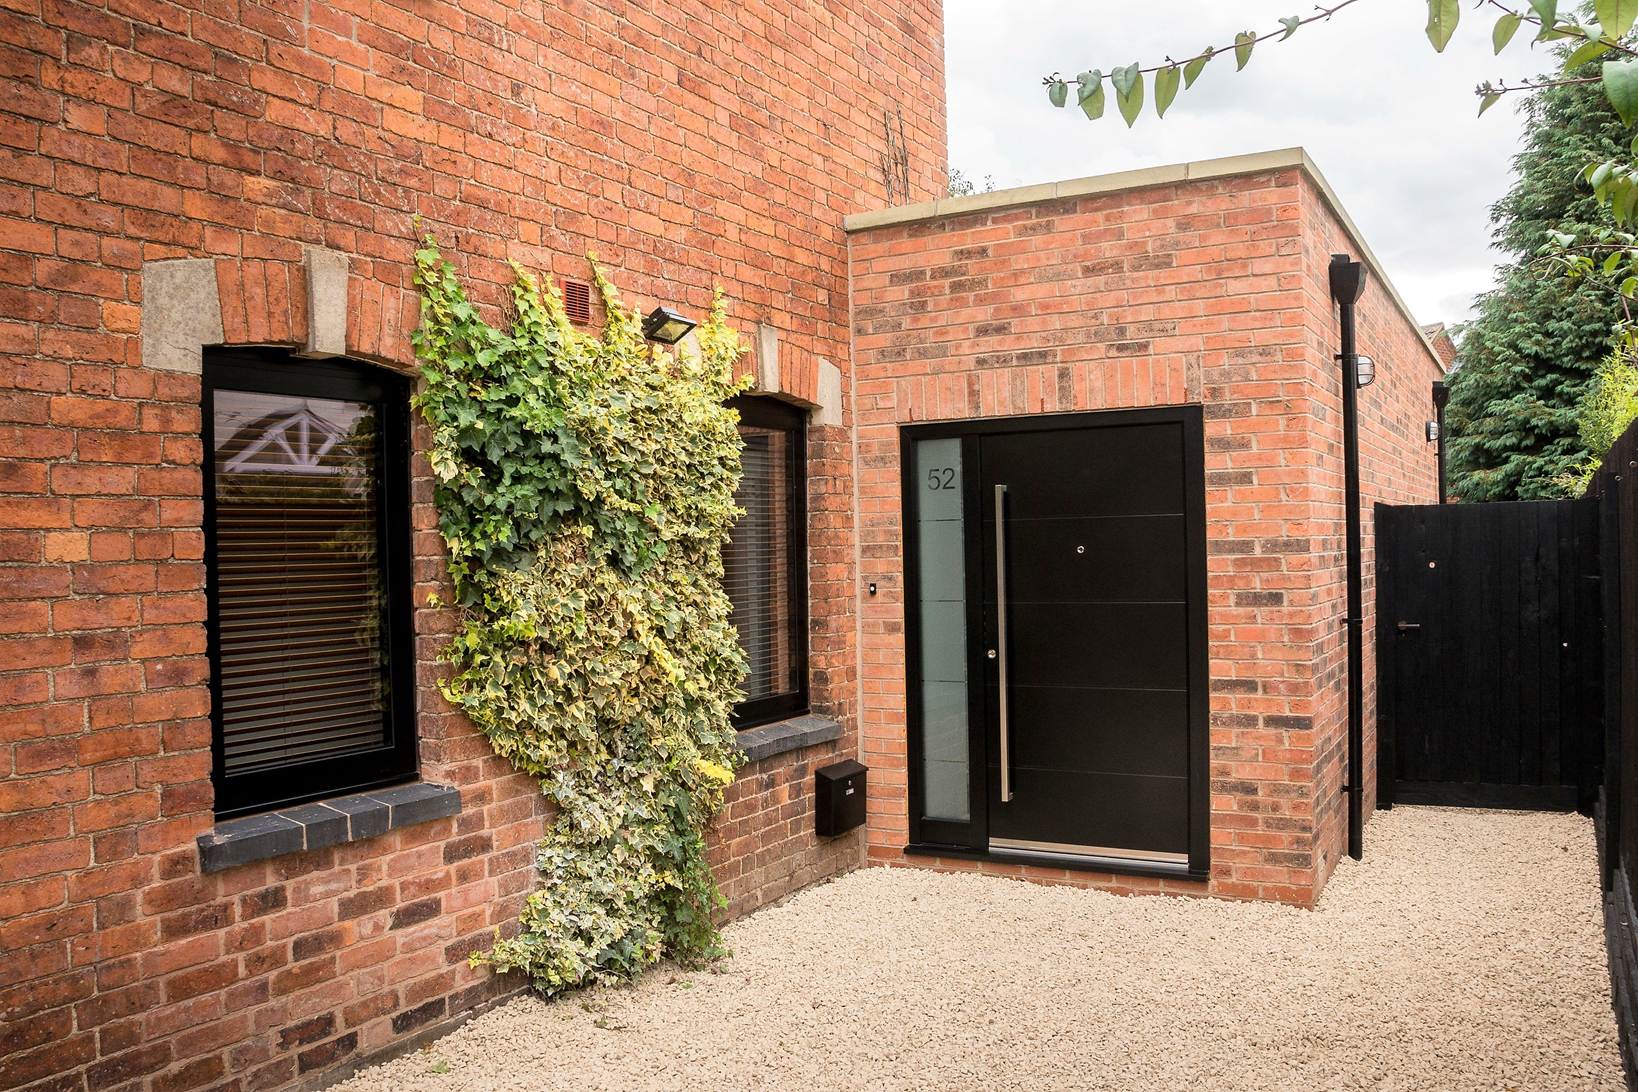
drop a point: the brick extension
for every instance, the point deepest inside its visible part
(1206, 283)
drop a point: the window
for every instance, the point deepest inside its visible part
(307, 578)
(765, 564)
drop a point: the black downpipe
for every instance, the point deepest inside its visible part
(1441, 395)
(1347, 284)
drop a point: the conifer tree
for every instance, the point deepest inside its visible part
(1527, 359)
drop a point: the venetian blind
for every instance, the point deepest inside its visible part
(757, 562)
(298, 579)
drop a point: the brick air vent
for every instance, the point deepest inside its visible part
(577, 301)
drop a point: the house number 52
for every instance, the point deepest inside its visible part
(941, 478)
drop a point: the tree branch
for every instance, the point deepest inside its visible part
(1284, 32)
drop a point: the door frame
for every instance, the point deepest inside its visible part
(936, 838)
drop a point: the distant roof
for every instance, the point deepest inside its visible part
(1440, 339)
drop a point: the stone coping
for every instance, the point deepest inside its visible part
(787, 735)
(324, 823)
(1121, 181)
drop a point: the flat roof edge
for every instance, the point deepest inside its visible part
(1122, 181)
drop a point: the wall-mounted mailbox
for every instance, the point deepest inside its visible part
(839, 798)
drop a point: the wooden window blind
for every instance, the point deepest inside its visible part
(302, 556)
(764, 563)
(298, 586)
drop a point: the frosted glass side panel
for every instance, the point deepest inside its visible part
(941, 600)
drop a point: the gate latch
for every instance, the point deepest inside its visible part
(1403, 626)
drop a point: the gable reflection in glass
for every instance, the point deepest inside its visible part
(298, 578)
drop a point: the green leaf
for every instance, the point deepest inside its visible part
(1621, 85)
(1617, 16)
(1128, 92)
(1585, 53)
(1488, 101)
(1243, 42)
(1443, 16)
(1629, 286)
(1126, 78)
(1612, 263)
(1546, 11)
(1506, 27)
(1058, 92)
(1090, 94)
(1191, 71)
(1166, 82)
(1291, 26)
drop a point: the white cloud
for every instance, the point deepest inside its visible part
(1389, 121)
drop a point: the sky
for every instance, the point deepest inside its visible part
(1391, 124)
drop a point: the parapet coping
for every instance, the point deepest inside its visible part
(787, 735)
(1202, 170)
(324, 823)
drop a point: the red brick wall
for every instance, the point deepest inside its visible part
(717, 145)
(1397, 466)
(1201, 291)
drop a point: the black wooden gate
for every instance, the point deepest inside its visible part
(1489, 654)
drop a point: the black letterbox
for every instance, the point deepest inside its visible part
(838, 798)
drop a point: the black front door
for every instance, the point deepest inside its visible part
(1083, 574)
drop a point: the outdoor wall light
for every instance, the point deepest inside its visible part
(666, 326)
(1364, 370)
(1433, 432)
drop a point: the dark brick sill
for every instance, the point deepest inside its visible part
(324, 823)
(787, 735)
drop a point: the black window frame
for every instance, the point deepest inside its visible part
(270, 371)
(760, 411)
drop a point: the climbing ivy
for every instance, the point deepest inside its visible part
(584, 488)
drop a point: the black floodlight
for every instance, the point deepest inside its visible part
(666, 326)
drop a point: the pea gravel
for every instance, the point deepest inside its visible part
(1465, 952)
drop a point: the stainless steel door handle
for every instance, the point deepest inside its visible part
(1403, 626)
(1001, 635)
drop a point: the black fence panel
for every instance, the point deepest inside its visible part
(1490, 654)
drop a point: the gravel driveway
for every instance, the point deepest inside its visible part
(1465, 952)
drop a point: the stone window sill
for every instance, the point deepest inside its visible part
(324, 823)
(787, 735)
